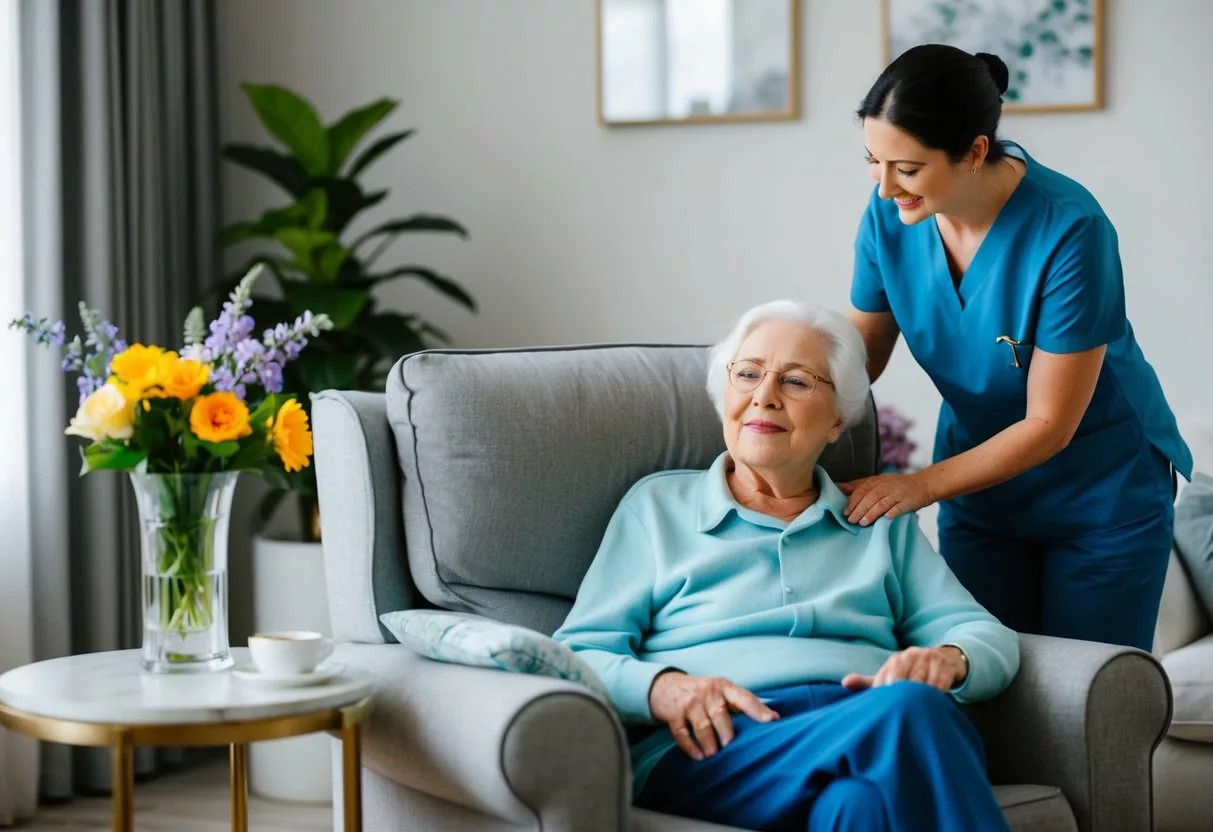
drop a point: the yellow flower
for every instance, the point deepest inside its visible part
(105, 414)
(138, 369)
(220, 417)
(290, 435)
(183, 379)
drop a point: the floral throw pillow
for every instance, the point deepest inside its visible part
(460, 638)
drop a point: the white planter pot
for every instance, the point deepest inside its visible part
(289, 594)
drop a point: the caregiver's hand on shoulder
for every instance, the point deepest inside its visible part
(940, 667)
(698, 708)
(885, 495)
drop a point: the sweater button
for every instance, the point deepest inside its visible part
(787, 590)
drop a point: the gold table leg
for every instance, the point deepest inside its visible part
(351, 757)
(123, 775)
(239, 787)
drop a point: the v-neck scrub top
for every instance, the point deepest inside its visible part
(1048, 276)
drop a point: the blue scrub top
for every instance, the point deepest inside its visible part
(1047, 275)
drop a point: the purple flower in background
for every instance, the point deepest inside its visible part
(895, 444)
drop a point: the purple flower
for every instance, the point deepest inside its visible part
(247, 352)
(89, 358)
(896, 446)
(271, 377)
(222, 379)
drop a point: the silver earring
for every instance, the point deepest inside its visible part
(974, 168)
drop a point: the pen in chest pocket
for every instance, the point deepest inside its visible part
(1014, 345)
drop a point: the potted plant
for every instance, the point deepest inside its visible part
(319, 264)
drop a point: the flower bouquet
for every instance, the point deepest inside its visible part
(184, 424)
(896, 447)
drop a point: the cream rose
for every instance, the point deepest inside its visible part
(105, 414)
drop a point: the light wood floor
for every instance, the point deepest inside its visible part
(194, 801)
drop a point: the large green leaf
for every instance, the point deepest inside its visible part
(391, 333)
(368, 156)
(345, 201)
(417, 222)
(348, 131)
(330, 259)
(294, 122)
(319, 370)
(309, 212)
(445, 285)
(279, 167)
(303, 243)
(343, 305)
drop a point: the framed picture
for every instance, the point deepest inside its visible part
(1053, 48)
(697, 61)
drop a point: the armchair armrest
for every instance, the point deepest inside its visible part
(531, 750)
(358, 480)
(1083, 717)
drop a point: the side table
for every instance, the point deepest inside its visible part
(105, 699)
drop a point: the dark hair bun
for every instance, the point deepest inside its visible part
(998, 71)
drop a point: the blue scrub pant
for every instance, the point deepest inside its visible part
(1104, 586)
(901, 757)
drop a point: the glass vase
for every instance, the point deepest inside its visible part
(183, 528)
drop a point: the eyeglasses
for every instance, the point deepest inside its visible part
(798, 384)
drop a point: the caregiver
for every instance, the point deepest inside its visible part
(1055, 450)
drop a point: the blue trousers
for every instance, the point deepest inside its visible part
(898, 758)
(1103, 586)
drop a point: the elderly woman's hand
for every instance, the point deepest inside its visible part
(698, 708)
(940, 667)
(885, 495)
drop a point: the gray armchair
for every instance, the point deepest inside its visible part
(482, 482)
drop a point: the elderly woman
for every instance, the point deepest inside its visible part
(802, 671)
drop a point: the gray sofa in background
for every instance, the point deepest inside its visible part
(482, 482)
(1183, 641)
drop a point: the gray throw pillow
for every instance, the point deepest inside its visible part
(1194, 536)
(460, 638)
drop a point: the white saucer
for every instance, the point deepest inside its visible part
(326, 670)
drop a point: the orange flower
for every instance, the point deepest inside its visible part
(220, 417)
(290, 435)
(184, 379)
(137, 370)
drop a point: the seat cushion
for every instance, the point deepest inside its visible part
(514, 461)
(1190, 670)
(1035, 808)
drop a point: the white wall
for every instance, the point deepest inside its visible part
(581, 233)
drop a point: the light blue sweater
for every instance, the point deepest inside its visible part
(687, 578)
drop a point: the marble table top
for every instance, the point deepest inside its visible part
(112, 688)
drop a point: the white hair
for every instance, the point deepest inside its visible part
(848, 357)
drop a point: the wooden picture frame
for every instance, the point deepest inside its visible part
(1054, 49)
(787, 70)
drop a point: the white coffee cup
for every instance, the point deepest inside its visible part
(289, 652)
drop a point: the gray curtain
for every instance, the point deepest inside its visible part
(121, 143)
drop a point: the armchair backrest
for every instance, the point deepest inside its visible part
(512, 462)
